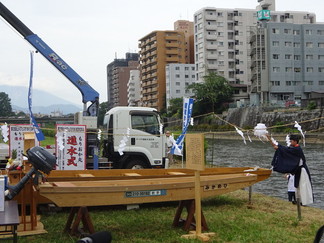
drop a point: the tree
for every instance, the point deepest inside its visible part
(175, 108)
(103, 108)
(5, 105)
(211, 94)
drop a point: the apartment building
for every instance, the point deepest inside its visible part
(222, 42)
(134, 88)
(118, 73)
(187, 27)
(178, 78)
(292, 63)
(157, 49)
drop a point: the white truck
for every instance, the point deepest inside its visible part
(134, 138)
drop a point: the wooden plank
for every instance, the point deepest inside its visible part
(176, 173)
(85, 175)
(64, 184)
(132, 174)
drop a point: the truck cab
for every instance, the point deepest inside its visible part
(134, 138)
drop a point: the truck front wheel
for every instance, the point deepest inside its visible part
(136, 164)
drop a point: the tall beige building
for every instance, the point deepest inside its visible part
(188, 28)
(158, 49)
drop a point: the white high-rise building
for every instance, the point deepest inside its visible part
(222, 42)
(178, 78)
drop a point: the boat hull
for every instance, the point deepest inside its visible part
(75, 189)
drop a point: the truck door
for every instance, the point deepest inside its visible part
(146, 136)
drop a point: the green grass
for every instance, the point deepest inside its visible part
(230, 216)
(48, 141)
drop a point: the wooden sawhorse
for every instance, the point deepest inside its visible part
(190, 220)
(78, 214)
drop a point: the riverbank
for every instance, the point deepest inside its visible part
(314, 138)
(230, 216)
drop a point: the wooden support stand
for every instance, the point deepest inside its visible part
(190, 220)
(78, 214)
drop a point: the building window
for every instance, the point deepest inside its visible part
(177, 75)
(309, 69)
(177, 83)
(321, 45)
(309, 44)
(296, 32)
(275, 43)
(309, 57)
(288, 83)
(288, 56)
(297, 44)
(321, 82)
(320, 57)
(288, 69)
(276, 69)
(321, 69)
(288, 43)
(287, 31)
(275, 56)
(296, 57)
(187, 68)
(177, 68)
(308, 82)
(275, 83)
(297, 70)
(308, 32)
(219, 14)
(320, 32)
(178, 91)
(275, 31)
(294, 83)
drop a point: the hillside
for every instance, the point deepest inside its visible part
(43, 102)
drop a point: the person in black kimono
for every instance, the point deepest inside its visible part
(291, 159)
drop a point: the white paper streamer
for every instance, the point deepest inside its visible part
(260, 130)
(191, 121)
(300, 130)
(99, 134)
(274, 141)
(241, 133)
(5, 132)
(288, 140)
(122, 145)
(60, 141)
(161, 128)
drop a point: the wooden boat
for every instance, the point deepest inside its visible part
(115, 187)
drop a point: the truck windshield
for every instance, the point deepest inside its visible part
(146, 122)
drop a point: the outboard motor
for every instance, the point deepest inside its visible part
(41, 160)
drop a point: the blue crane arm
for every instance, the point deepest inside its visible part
(88, 93)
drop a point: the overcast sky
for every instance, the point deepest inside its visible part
(89, 35)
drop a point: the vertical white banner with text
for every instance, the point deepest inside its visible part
(71, 147)
(16, 138)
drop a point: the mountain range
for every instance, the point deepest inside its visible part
(50, 103)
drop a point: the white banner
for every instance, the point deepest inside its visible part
(16, 138)
(71, 147)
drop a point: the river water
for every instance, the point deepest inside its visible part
(234, 153)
